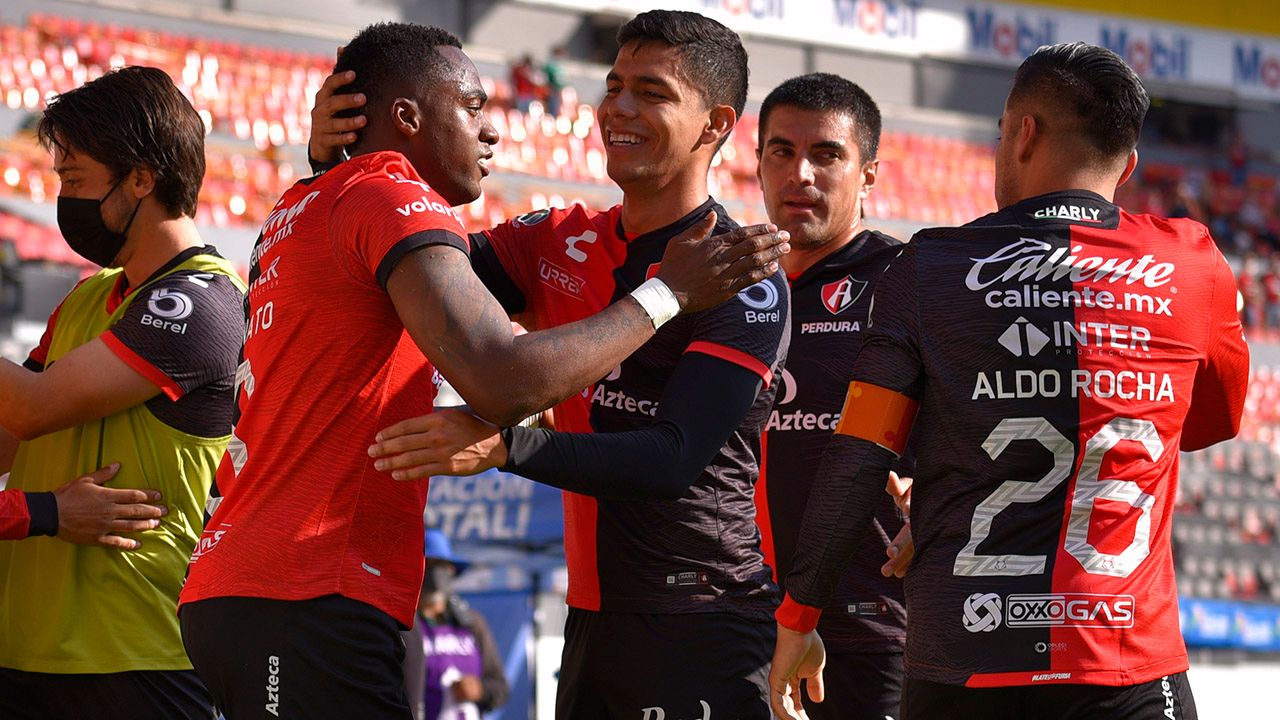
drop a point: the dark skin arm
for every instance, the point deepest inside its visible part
(465, 333)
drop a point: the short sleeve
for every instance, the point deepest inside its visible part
(182, 332)
(751, 329)
(382, 215)
(492, 262)
(890, 355)
(1221, 384)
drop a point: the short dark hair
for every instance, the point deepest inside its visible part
(393, 58)
(825, 92)
(1091, 85)
(711, 55)
(129, 118)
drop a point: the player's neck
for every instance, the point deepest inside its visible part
(655, 206)
(1060, 177)
(157, 244)
(801, 258)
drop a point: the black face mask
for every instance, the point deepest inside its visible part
(80, 220)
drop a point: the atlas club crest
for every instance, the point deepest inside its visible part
(839, 295)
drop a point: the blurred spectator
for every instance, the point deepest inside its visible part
(452, 670)
(553, 73)
(1251, 290)
(524, 83)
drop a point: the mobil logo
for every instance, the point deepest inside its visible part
(888, 18)
(1252, 67)
(758, 9)
(1150, 54)
(1008, 35)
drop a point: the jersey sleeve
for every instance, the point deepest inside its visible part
(1217, 399)
(24, 514)
(182, 332)
(491, 260)
(751, 329)
(382, 216)
(14, 516)
(890, 355)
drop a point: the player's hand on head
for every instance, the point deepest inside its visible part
(330, 133)
(90, 514)
(704, 270)
(796, 657)
(446, 442)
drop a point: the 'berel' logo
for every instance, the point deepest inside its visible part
(838, 296)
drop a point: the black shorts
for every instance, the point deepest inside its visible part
(631, 666)
(859, 686)
(137, 695)
(329, 657)
(1167, 698)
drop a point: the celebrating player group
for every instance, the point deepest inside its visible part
(809, 470)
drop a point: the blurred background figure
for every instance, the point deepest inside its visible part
(452, 670)
(524, 83)
(553, 73)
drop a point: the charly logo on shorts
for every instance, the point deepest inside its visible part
(982, 612)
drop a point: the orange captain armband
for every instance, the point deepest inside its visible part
(878, 415)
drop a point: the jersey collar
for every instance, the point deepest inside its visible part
(675, 228)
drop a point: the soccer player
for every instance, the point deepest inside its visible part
(137, 365)
(819, 135)
(1060, 352)
(81, 511)
(311, 561)
(667, 585)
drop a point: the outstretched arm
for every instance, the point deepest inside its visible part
(504, 377)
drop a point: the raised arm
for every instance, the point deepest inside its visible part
(467, 335)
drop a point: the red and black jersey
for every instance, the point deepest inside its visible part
(1062, 351)
(327, 363)
(829, 303)
(701, 551)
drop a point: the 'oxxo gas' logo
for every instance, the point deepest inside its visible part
(1082, 610)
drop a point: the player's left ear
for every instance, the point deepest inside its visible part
(1029, 131)
(720, 122)
(870, 170)
(406, 116)
(140, 182)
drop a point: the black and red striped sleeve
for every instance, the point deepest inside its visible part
(182, 332)
(750, 330)
(496, 259)
(1217, 399)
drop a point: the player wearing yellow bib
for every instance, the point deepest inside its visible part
(137, 366)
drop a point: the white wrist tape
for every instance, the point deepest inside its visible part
(659, 303)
